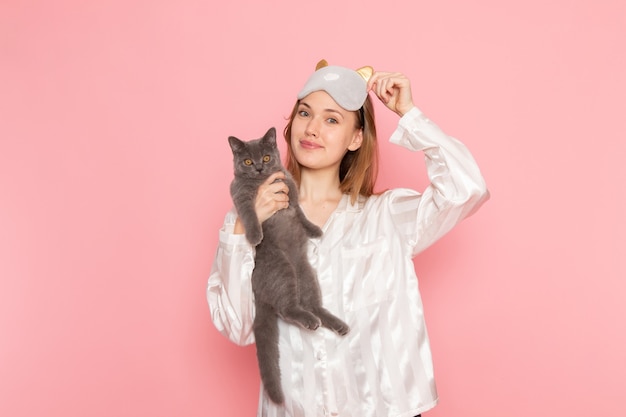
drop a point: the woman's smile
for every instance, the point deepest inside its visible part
(307, 144)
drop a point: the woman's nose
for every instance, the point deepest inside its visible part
(312, 127)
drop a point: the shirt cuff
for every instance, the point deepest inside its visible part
(407, 126)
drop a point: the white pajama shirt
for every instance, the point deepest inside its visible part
(364, 262)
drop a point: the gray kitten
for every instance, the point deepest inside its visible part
(284, 283)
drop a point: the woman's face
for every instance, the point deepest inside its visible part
(322, 132)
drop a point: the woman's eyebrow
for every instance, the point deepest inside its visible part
(302, 103)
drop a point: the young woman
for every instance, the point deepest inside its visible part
(383, 366)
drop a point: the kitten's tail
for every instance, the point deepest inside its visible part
(266, 336)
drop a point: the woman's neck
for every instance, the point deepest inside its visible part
(319, 195)
(319, 186)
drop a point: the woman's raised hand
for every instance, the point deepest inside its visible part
(393, 89)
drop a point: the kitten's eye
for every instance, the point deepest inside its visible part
(247, 162)
(266, 158)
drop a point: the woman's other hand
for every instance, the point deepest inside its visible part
(271, 197)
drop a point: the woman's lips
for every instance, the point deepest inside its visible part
(309, 145)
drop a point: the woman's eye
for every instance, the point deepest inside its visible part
(266, 158)
(303, 113)
(332, 121)
(247, 162)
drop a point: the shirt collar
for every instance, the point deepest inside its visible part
(346, 205)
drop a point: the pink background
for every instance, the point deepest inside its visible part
(114, 173)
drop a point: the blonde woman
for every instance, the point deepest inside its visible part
(364, 260)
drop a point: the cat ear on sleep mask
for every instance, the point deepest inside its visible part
(346, 86)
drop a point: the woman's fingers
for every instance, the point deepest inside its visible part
(393, 89)
(272, 196)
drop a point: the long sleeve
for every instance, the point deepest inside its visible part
(229, 289)
(456, 189)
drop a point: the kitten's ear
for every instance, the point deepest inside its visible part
(235, 144)
(270, 136)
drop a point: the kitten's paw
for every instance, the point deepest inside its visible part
(254, 237)
(342, 330)
(334, 323)
(317, 232)
(314, 231)
(304, 319)
(309, 322)
(339, 327)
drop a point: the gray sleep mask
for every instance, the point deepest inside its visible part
(346, 86)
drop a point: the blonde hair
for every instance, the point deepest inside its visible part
(359, 169)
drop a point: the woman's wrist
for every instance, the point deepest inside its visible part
(404, 110)
(238, 229)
